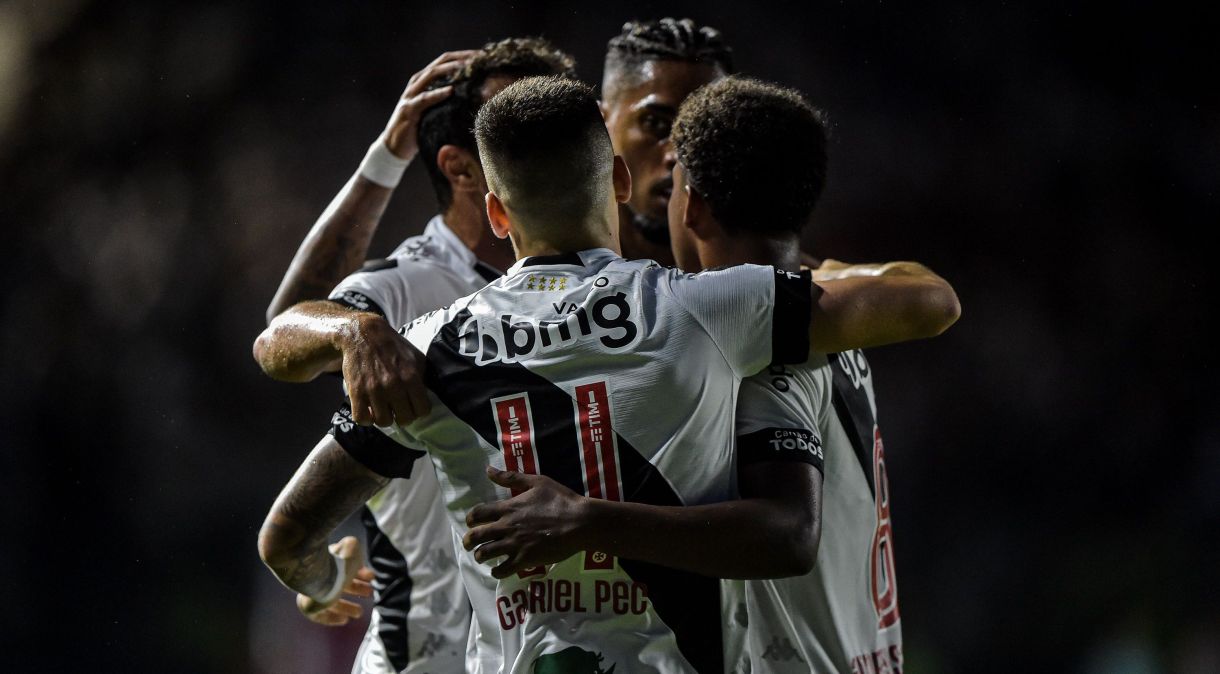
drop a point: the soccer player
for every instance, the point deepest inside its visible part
(650, 68)
(751, 165)
(421, 615)
(614, 378)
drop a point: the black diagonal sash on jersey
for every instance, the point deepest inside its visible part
(392, 581)
(689, 604)
(855, 413)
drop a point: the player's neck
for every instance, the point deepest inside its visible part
(468, 220)
(593, 234)
(780, 251)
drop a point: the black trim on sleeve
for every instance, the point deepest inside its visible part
(378, 265)
(780, 444)
(372, 448)
(794, 297)
(354, 299)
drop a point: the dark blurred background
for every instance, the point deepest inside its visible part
(1055, 458)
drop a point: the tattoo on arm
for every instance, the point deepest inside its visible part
(335, 247)
(328, 487)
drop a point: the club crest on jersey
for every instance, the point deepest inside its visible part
(608, 319)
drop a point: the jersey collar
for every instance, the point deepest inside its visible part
(585, 258)
(467, 263)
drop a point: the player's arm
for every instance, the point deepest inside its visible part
(382, 370)
(338, 242)
(858, 306)
(771, 532)
(325, 490)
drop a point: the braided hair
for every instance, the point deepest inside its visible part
(665, 40)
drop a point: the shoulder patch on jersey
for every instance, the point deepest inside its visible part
(378, 265)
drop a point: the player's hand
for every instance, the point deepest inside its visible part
(401, 133)
(383, 372)
(358, 584)
(539, 526)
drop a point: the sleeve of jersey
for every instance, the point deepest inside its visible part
(756, 314)
(374, 449)
(776, 421)
(377, 289)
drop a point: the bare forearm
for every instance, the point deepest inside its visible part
(306, 340)
(874, 305)
(328, 487)
(749, 538)
(335, 247)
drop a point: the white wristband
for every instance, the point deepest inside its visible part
(340, 581)
(381, 166)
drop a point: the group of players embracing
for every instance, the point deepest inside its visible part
(603, 414)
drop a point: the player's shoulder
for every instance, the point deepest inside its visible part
(418, 265)
(800, 384)
(421, 330)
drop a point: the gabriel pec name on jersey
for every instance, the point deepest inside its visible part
(608, 319)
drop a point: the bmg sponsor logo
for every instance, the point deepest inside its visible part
(608, 319)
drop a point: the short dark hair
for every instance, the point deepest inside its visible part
(545, 149)
(756, 152)
(665, 40)
(451, 122)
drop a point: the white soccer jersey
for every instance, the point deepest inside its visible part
(843, 615)
(619, 380)
(421, 617)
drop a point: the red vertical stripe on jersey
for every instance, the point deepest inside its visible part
(600, 455)
(597, 441)
(516, 434)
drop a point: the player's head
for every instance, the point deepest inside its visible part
(651, 67)
(751, 162)
(551, 171)
(446, 130)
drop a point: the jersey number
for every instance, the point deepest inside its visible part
(884, 580)
(599, 459)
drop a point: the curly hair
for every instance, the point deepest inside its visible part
(665, 40)
(545, 149)
(451, 122)
(756, 152)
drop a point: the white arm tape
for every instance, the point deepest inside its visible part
(381, 166)
(337, 589)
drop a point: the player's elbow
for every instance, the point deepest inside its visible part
(277, 368)
(803, 550)
(797, 550)
(278, 547)
(263, 351)
(940, 308)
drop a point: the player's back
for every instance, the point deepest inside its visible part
(619, 380)
(843, 615)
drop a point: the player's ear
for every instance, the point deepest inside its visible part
(460, 167)
(497, 215)
(697, 216)
(622, 180)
